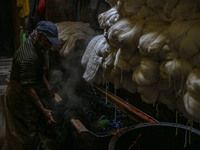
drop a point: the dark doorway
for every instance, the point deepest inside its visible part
(6, 29)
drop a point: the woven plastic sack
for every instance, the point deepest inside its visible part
(89, 49)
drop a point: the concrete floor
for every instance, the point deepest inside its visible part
(5, 67)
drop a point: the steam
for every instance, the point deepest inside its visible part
(66, 79)
(66, 76)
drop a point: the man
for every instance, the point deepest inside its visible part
(26, 95)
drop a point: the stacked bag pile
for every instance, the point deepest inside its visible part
(150, 47)
(69, 32)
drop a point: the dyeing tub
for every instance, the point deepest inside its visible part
(156, 136)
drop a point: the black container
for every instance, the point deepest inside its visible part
(156, 136)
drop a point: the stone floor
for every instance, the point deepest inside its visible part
(5, 67)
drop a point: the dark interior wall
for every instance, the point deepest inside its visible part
(56, 11)
(75, 10)
(6, 28)
(59, 10)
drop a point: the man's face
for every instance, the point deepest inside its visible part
(45, 40)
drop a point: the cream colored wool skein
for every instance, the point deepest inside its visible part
(122, 34)
(168, 98)
(177, 31)
(169, 6)
(144, 13)
(122, 59)
(127, 82)
(187, 47)
(149, 94)
(193, 83)
(181, 11)
(155, 3)
(158, 43)
(169, 53)
(146, 73)
(108, 62)
(108, 18)
(176, 68)
(131, 7)
(153, 39)
(150, 69)
(195, 60)
(164, 84)
(192, 106)
(190, 44)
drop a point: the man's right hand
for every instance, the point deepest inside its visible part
(33, 96)
(48, 116)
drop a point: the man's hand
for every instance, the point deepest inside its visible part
(48, 116)
(30, 92)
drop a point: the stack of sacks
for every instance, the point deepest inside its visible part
(155, 45)
(69, 32)
(92, 59)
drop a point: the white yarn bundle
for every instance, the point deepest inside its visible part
(121, 33)
(128, 83)
(167, 97)
(131, 7)
(92, 68)
(146, 73)
(149, 94)
(169, 53)
(152, 46)
(177, 31)
(164, 84)
(89, 49)
(95, 59)
(108, 18)
(193, 83)
(122, 59)
(144, 13)
(192, 106)
(195, 60)
(153, 39)
(139, 78)
(108, 62)
(101, 47)
(181, 10)
(169, 6)
(155, 3)
(176, 68)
